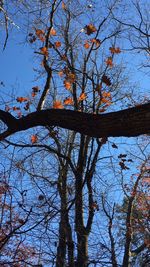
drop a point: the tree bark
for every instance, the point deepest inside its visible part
(129, 122)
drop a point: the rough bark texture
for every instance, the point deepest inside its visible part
(129, 122)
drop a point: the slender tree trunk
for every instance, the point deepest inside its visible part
(82, 237)
(61, 249)
(70, 243)
(82, 258)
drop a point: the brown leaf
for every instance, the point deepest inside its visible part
(90, 28)
(106, 80)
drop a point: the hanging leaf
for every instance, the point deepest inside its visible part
(97, 42)
(64, 57)
(27, 105)
(15, 108)
(122, 156)
(115, 50)
(90, 28)
(67, 84)
(40, 34)
(106, 80)
(82, 97)
(34, 138)
(44, 51)
(57, 104)
(106, 94)
(70, 77)
(114, 145)
(52, 32)
(35, 90)
(68, 101)
(86, 45)
(22, 99)
(63, 6)
(57, 44)
(109, 62)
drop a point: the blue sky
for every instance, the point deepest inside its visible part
(16, 65)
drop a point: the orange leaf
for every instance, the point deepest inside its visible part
(104, 100)
(82, 97)
(106, 94)
(67, 85)
(33, 94)
(96, 41)
(44, 51)
(15, 108)
(115, 50)
(57, 44)
(39, 32)
(52, 32)
(86, 45)
(63, 6)
(109, 62)
(42, 38)
(22, 99)
(68, 101)
(57, 104)
(34, 138)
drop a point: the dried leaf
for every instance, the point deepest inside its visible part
(34, 138)
(52, 32)
(22, 99)
(90, 28)
(106, 80)
(44, 50)
(57, 44)
(97, 42)
(106, 94)
(39, 32)
(82, 97)
(57, 104)
(15, 108)
(63, 5)
(114, 145)
(115, 50)
(109, 62)
(35, 89)
(86, 45)
(67, 84)
(70, 77)
(68, 101)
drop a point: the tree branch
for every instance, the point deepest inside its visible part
(129, 122)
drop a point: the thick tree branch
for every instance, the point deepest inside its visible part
(129, 122)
